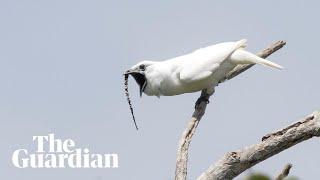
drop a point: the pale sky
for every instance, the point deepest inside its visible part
(61, 65)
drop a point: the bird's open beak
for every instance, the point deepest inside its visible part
(140, 78)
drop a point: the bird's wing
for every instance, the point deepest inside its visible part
(203, 62)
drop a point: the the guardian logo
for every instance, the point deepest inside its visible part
(55, 153)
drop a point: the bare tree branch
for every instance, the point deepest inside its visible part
(285, 172)
(234, 163)
(183, 148)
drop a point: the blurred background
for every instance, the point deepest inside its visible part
(61, 65)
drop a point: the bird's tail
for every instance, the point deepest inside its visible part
(244, 57)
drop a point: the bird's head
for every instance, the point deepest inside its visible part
(138, 72)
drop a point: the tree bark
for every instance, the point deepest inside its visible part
(285, 172)
(183, 147)
(234, 163)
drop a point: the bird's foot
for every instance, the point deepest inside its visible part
(201, 99)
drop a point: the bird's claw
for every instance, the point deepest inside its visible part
(201, 99)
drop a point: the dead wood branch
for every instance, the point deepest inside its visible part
(234, 163)
(285, 172)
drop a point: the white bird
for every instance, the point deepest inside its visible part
(200, 70)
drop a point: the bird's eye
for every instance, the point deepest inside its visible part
(142, 67)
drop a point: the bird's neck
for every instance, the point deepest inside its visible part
(154, 78)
